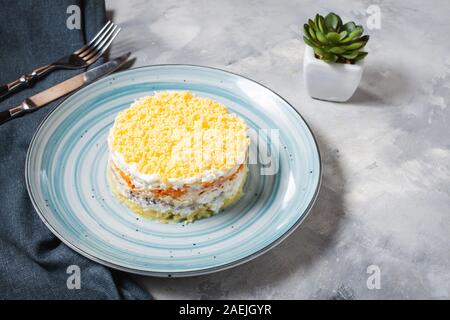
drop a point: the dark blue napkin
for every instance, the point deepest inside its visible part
(33, 262)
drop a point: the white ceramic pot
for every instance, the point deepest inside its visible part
(330, 81)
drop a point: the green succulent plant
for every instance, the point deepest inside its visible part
(333, 41)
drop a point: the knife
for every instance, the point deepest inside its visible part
(44, 97)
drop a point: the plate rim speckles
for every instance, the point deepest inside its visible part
(251, 256)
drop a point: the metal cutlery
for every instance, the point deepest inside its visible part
(80, 58)
(44, 97)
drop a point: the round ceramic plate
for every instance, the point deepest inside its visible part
(67, 182)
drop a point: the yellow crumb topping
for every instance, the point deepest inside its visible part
(178, 135)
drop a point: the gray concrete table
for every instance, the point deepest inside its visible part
(385, 199)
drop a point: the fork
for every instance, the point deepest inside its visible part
(80, 58)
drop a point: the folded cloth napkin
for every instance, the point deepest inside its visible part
(33, 262)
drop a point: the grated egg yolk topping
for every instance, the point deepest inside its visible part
(178, 135)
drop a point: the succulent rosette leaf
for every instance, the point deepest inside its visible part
(333, 41)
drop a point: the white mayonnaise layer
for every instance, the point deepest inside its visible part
(212, 199)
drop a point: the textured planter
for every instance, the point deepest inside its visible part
(330, 81)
